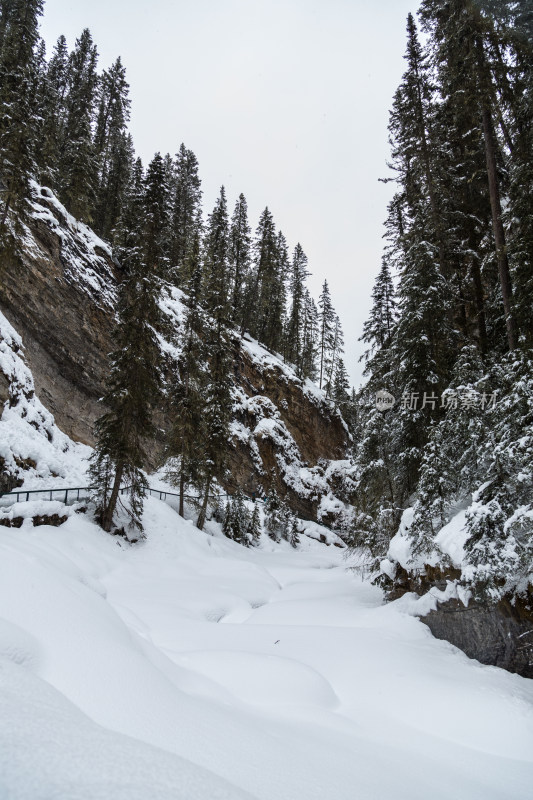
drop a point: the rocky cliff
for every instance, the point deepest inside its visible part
(495, 633)
(60, 296)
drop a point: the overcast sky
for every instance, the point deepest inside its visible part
(284, 100)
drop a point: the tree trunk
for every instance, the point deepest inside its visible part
(494, 195)
(203, 511)
(480, 306)
(182, 489)
(497, 226)
(107, 513)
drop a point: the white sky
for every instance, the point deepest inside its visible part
(284, 100)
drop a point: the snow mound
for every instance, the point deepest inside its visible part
(50, 749)
(263, 680)
(114, 683)
(18, 646)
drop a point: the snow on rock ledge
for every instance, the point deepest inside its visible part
(32, 448)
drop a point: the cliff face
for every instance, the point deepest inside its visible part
(283, 429)
(60, 298)
(499, 634)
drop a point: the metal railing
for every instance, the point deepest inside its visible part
(75, 494)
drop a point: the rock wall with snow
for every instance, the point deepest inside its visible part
(33, 450)
(59, 297)
(500, 634)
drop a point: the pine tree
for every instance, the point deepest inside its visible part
(453, 459)
(326, 322)
(337, 350)
(276, 323)
(113, 146)
(499, 547)
(134, 387)
(293, 536)
(156, 220)
(310, 326)
(274, 516)
(237, 519)
(380, 491)
(272, 270)
(186, 441)
(254, 528)
(218, 406)
(519, 217)
(77, 170)
(218, 392)
(295, 323)
(378, 329)
(466, 42)
(18, 124)
(239, 256)
(186, 205)
(265, 295)
(341, 388)
(53, 93)
(227, 523)
(458, 232)
(215, 261)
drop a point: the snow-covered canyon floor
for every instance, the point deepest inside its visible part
(190, 668)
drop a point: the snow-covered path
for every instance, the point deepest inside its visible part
(241, 673)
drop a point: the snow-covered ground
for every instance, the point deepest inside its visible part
(187, 667)
(190, 668)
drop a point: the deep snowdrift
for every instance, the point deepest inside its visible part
(190, 668)
(188, 665)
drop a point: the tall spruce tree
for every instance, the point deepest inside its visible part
(341, 388)
(263, 312)
(466, 37)
(295, 323)
(456, 129)
(53, 93)
(218, 392)
(254, 527)
(378, 329)
(186, 445)
(326, 332)
(215, 261)
(78, 167)
(186, 200)
(18, 123)
(275, 316)
(337, 350)
(156, 219)
(217, 409)
(135, 380)
(114, 147)
(239, 258)
(310, 327)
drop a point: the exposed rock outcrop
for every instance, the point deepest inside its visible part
(60, 297)
(499, 635)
